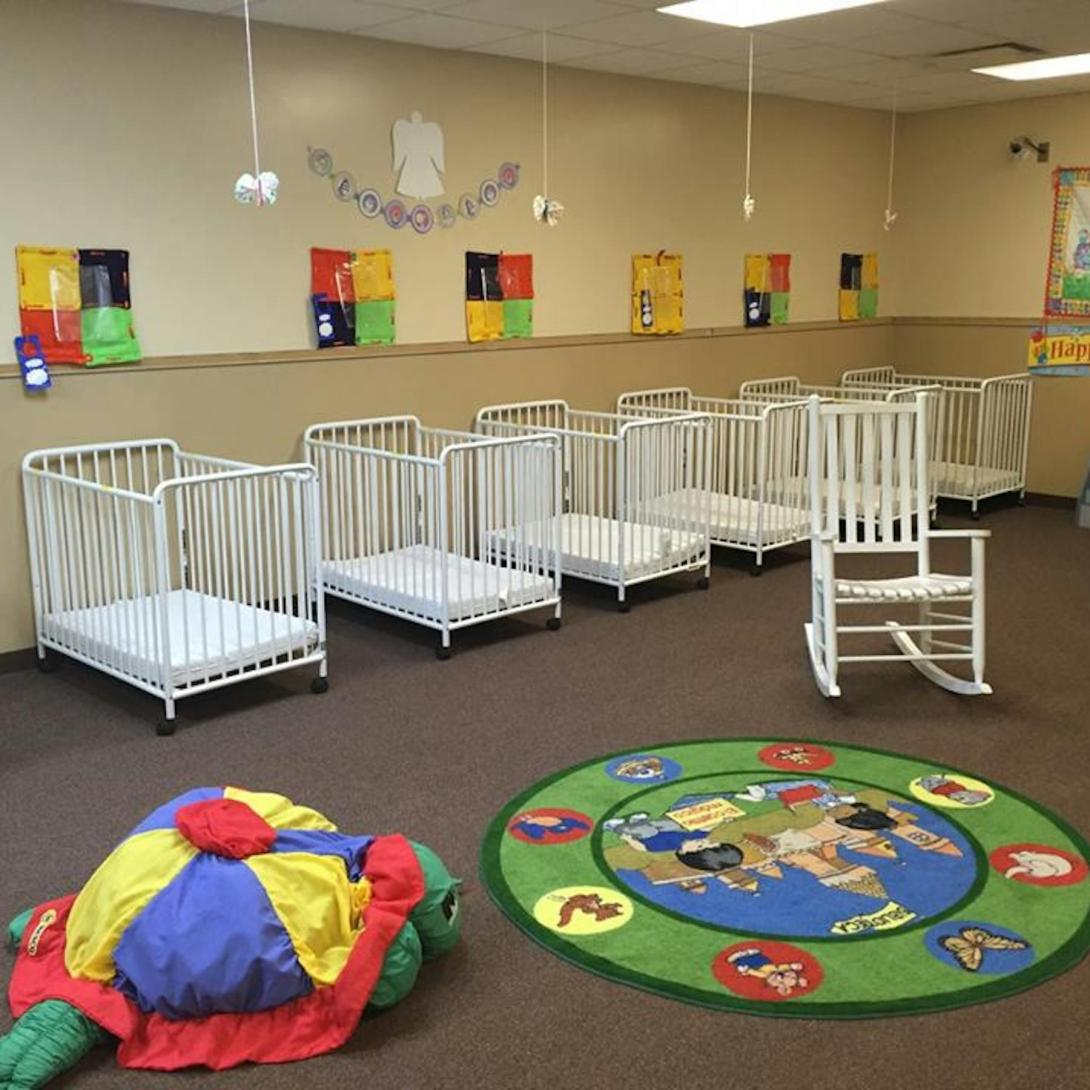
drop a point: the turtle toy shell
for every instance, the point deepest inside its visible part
(229, 926)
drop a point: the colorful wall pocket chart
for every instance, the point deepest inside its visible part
(499, 296)
(858, 287)
(352, 296)
(658, 296)
(767, 291)
(77, 303)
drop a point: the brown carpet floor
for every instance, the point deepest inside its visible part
(404, 743)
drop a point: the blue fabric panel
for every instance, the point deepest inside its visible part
(163, 818)
(207, 943)
(319, 842)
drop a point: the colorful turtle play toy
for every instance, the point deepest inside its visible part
(229, 926)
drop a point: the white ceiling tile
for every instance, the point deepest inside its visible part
(536, 14)
(208, 7)
(718, 73)
(733, 45)
(340, 15)
(639, 28)
(847, 26)
(926, 38)
(814, 58)
(440, 31)
(632, 62)
(528, 47)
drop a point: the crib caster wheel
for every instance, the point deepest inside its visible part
(703, 583)
(319, 685)
(975, 516)
(756, 570)
(164, 728)
(623, 607)
(442, 653)
(48, 665)
(1021, 501)
(553, 624)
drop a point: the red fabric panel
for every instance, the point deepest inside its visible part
(226, 827)
(331, 274)
(60, 332)
(517, 276)
(781, 272)
(316, 1023)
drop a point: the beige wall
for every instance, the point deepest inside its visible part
(259, 411)
(973, 234)
(133, 133)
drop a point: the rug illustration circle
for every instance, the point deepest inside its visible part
(792, 878)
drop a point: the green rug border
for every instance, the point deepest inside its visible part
(979, 882)
(491, 875)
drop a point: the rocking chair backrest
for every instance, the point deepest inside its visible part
(869, 475)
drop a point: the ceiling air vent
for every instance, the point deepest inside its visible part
(981, 56)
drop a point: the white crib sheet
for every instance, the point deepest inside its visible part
(734, 518)
(124, 634)
(590, 545)
(409, 580)
(956, 478)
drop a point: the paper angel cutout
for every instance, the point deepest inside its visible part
(259, 190)
(547, 211)
(418, 156)
(749, 206)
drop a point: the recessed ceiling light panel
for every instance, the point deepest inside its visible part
(1077, 64)
(747, 13)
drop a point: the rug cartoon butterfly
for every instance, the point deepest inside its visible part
(969, 946)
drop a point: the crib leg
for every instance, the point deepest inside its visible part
(442, 652)
(554, 622)
(975, 514)
(1022, 498)
(47, 662)
(320, 684)
(165, 726)
(622, 605)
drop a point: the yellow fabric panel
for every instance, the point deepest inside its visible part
(660, 274)
(321, 910)
(134, 872)
(669, 314)
(48, 278)
(642, 264)
(849, 306)
(758, 269)
(870, 271)
(279, 812)
(484, 320)
(373, 275)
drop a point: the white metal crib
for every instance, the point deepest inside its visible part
(634, 491)
(864, 461)
(757, 493)
(790, 389)
(175, 572)
(408, 513)
(983, 440)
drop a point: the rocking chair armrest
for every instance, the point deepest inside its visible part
(826, 536)
(968, 535)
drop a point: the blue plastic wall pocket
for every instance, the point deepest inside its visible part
(28, 350)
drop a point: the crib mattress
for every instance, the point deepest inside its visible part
(590, 545)
(410, 580)
(734, 518)
(124, 635)
(957, 479)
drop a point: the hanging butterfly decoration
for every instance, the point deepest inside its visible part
(749, 203)
(969, 947)
(261, 186)
(547, 211)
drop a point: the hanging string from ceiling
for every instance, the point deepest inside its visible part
(749, 205)
(546, 210)
(891, 216)
(260, 187)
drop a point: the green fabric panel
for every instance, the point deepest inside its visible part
(375, 322)
(780, 305)
(399, 968)
(518, 317)
(868, 303)
(108, 335)
(17, 927)
(1077, 287)
(437, 918)
(48, 1039)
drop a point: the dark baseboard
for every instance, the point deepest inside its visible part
(1046, 499)
(13, 662)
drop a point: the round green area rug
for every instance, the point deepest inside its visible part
(793, 878)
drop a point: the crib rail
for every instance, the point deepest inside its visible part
(409, 513)
(176, 572)
(635, 496)
(983, 443)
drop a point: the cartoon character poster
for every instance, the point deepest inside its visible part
(1069, 257)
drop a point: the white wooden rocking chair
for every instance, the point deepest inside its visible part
(869, 494)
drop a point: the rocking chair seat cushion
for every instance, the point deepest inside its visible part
(912, 588)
